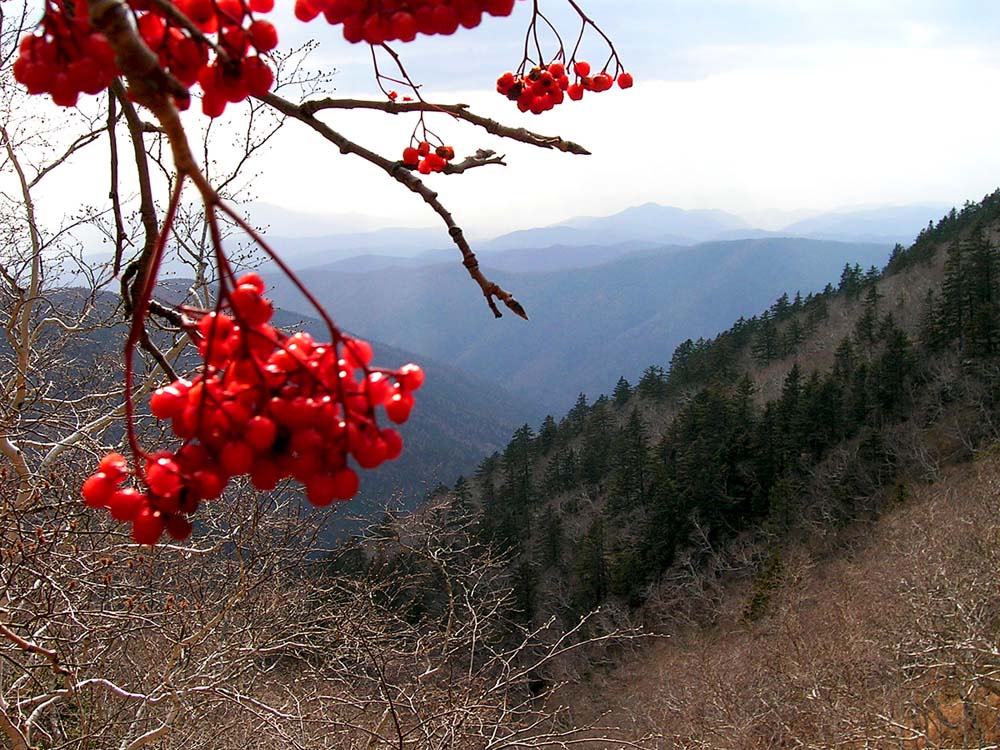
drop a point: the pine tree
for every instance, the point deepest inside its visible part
(766, 344)
(983, 328)
(547, 435)
(653, 384)
(792, 338)
(622, 392)
(591, 570)
(782, 307)
(551, 538)
(597, 435)
(953, 307)
(629, 458)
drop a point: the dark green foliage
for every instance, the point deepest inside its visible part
(767, 342)
(629, 462)
(851, 281)
(724, 462)
(622, 392)
(552, 538)
(548, 433)
(591, 570)
(653, 384)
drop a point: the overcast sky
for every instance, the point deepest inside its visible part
(766, 108)
(757, 107)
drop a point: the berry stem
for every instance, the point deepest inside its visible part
(138, 327)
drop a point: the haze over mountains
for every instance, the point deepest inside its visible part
(588, 325)
(306, 240)
(607, 295)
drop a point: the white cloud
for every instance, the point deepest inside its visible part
(859, 127)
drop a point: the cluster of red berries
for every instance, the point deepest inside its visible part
(541, 89)
(425, 160)
(65, 57)
(269, 406)
(243, 38)
(378, 21)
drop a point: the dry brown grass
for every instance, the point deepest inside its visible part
(894, 643)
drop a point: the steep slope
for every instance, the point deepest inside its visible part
(793, 503)
(884, 639)
(588, 326)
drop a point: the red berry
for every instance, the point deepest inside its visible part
(178, 527)
(411, 377)
(581, 68)
(236, 458)
(148, 526)
(321, 489)
(98, 489)
(399, 406)
(346, 484)
(126, 503)
(260, 433)
(208, 484)
(393, 444)
(403, 26)
(603, 82)
(163, 477)
(265, 475)
(264, 37)
(358, 353)
(114, 466)
(625, 81)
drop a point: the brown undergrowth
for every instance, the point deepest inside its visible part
(891, 639)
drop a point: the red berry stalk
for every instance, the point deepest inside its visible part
(218, 44)
(426, 160)
(267, 405)
(379, 21)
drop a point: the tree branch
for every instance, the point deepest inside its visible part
(405, 177)
(459, 111)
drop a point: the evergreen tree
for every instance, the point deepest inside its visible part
(954, 305)
(983, 329)
(547, 435)
(591, 570)
(792, 338)
(629, 458)
(597, 435)
(622, 392)
(782, 308)
(575, 416)
(766, 344)
(552, 538)
(930, 336)
(653, 384)
(462, 501)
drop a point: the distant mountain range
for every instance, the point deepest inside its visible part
(888, 224)
(305, 240)
(589, 325)
(585, 241)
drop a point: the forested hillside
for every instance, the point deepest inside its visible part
(789, 431)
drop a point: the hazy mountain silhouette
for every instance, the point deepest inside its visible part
(588, 325)
(649, 223)
(890, 224)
